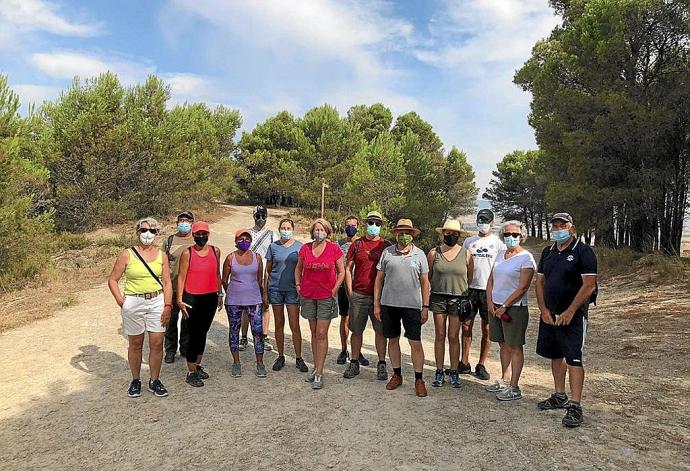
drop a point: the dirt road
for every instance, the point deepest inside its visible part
(64, 404)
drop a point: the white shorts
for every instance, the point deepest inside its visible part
(140, 315)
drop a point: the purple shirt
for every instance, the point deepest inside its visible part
(243, 286)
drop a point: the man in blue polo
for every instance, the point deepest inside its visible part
(566, 284)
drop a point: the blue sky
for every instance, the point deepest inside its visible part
(451, 61)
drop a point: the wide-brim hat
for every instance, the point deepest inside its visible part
(200, 226)
(239, 232)
(406, 225)
(450, 225)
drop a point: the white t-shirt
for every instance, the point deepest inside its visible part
(261, 240)
(483, 250)
(507, 276)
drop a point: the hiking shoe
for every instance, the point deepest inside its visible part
(134, 388)
(381, 371)
(481, 372)
(193, 380)
(342, 358)
(362, 361)
(352, 370)
(267, 346)
(243, 344)
(279, 363)
(157, 388)
(202, 373)
(309, 378)
(170, 357)
(439, 379)
(395, 381)
(260, 370)
(455, 379)
(573, 416)
(554, 402)
(509, 394)
(420, 388)
(498, 386)
(300, 365)
(236, 371)
(464, 368)
(318, 382)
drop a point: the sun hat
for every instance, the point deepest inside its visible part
(406, 224)
(562, 217)
(239, 232)
(200, 226)
(450, 225)
(374, 215)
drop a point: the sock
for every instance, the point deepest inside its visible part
(381, 362)
(397, 371)
(576, 404)
(417, 375)
(561, 395)
(438, 372)
(354, 361)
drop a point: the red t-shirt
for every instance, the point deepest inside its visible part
(318, 273)
(367, 256)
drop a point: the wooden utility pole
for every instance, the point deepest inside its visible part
(323, 195)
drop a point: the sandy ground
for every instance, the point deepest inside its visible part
(64, 404)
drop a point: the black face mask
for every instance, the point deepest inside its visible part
(260, 221)
(201, 240)
(450, 239)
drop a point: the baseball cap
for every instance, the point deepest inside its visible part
(562, 216)
(374, 215)
(239, 232)
(485, 216)
(186, 214)
(260, 210)
(200, 226)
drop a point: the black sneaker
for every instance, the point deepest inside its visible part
(554, 402)
(573, 416)
(481, 372)
(464, 368)
(134, 388)
(243, 344)
(157, 388)
(362, 361)
(300, 365)
(170, 357)
(279, 363)
(352, 370)
(342, 358)
(201, 372)
(193, 380)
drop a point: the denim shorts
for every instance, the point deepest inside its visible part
(283, 297)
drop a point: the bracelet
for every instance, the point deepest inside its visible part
(425, 306)
(167, 305)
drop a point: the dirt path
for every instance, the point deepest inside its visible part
(64, 405)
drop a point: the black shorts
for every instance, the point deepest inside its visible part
(411, 321)
(563, 341)
(478, 299)
(343, 301)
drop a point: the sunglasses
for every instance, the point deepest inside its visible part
(144, 230)
(374, 222)
(511, 234)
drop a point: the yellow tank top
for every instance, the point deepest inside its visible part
(138, 280)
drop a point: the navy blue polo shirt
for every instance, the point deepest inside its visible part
(563, 272)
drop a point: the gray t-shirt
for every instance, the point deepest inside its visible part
(401, 286)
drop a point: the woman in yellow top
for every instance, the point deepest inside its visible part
(146, 303)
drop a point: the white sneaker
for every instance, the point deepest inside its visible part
(310, 376)
(498, 386)
(318, 382)
(509, 394)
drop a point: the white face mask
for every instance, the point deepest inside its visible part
(484, 228)
(146, 238)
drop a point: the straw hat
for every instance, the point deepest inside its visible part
(450, 225)
(406, 224)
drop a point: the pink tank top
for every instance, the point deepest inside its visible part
(202, 275)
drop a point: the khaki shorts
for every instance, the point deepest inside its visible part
(512, 332)
(361, 309)
(141, 315)
(318, 309)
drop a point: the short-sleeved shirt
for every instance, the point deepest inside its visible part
(563, 271)
(401, 285)
(318, 273)
(507, 276)
(483, 251)
(344, 247)
(366, 255)
(261, 240)
(174, 248)
(283, 262)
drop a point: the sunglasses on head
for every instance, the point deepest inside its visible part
(511, 234)
(152, 231)
(374, 222)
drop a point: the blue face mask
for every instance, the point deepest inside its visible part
(286, 235)
(512, 242)
(350, 231)
(373, 230)
(184, 227)
(560, 236)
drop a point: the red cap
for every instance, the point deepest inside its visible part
(239, 232)
(200, 226)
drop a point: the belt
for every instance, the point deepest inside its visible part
(149, 295)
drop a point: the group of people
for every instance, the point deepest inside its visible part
(362, 277)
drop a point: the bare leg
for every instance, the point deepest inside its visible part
(314, 343)
(417, 355)
(266, 320)
(394, 352)
(576, 375)
(486, 343)
(136, 344)
(345, 332)
(380, 342)
(559, 368)
(155, 353)
(517, 360)
(279, 316)
(322, 340)
(293, 319)
(454, 340)
(356, 342)
(505, 354)
(440, 340)
(466, 340)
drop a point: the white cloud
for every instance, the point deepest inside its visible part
(30, 94)
(40, 15)
(68, 64)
